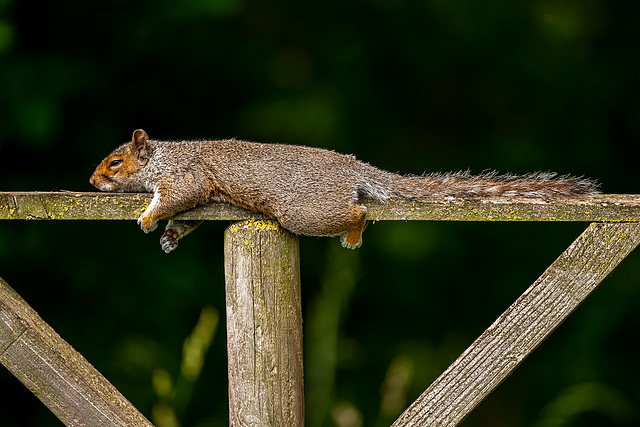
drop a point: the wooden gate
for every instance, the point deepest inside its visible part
(264, 320)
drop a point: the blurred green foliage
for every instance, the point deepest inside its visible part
(407, 85)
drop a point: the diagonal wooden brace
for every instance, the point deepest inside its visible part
(56, 373)
(523, 326)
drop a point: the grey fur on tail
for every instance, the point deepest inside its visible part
(534, 185)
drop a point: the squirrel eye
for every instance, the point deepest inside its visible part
(115, 163)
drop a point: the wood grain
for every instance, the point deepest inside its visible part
(523, 326)
(264, 325)
(129, 206)
(57, 374)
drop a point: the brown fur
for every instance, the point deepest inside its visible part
(311, 191)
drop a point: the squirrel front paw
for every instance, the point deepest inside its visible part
(169, 241)
(146, 224)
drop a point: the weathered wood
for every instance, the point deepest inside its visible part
(596, 208)
(57, 374)
(74, 206)
(264, 325)
(264, 321)
(65, 205)
(523, 326)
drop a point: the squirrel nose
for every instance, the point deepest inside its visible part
(92, 181)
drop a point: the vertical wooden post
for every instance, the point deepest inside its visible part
(264, 325)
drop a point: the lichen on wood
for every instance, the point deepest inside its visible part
(128, 206)
(264, 325)
(98, 206)
(596, 208)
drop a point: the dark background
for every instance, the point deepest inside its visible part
(406, 85)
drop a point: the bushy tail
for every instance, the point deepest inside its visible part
(535, 185)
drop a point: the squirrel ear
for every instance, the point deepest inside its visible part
(140, 146)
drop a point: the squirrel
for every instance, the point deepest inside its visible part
(310, 191)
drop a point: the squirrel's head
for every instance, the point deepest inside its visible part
(117, 172)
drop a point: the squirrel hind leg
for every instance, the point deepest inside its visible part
(352, 237)
(175, 231)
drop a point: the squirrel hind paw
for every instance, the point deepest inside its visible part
(351, 239)
(169, 241)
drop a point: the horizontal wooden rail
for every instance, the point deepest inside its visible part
(109, 206)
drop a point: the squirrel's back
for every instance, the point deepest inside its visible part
(295, 168)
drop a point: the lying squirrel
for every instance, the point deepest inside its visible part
(310, 191)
